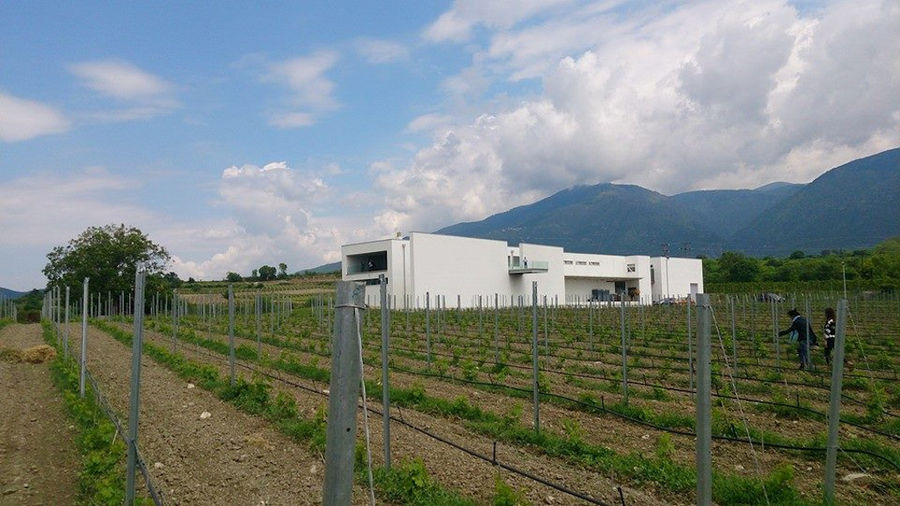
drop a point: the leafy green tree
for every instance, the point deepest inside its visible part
(738, 267)
(282, 270)
(108, 256)
(266, 273)
(233, 277)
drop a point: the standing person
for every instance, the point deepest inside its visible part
(798, 332)
(829, 334)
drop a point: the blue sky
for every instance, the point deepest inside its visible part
(238, 134)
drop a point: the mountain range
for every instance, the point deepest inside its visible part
(853, 206)
(10, 294)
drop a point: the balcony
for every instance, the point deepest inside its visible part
(516, 268)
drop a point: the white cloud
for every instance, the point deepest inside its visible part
(89, 197)
(428, 122)
(22, 119)
(143, 94)
(291, 119)
(310, 89)
(272, 218)
(378, 51)
(456, 24)
(678, 97)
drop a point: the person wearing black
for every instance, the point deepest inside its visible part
(798, 331)
(829, 334)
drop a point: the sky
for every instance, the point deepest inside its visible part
(238, 134)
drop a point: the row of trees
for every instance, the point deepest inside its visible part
(880, 266)
(264, 273)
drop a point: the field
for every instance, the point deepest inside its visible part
(462, 417)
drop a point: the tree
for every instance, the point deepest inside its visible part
(738, 267)
(266, 273)
(233, 277)
(108, 256)
(282, 270)
(254, 275)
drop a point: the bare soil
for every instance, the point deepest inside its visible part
(38, 459)
(229, 457)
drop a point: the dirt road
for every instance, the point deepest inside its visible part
(38, 459)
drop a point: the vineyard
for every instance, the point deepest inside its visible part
(612, 425)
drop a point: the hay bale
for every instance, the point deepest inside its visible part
(38, 354)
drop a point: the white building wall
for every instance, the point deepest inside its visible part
(451, 266)
(550, 284)
(683, 275)
(642, 268)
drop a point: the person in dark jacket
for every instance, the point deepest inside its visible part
(799, 330)
(829, 334)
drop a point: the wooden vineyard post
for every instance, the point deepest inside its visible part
(135, 398)
(340, 438)
(704, 402)
(834, 408)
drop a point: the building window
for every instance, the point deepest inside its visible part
(580, 263)
(595, 263)
(567, 262)
(629, 267)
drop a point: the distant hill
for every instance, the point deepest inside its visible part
(727, 211)
(11, 294)
(854, 206)
(851, 206)
(614, 219)
(324, 269)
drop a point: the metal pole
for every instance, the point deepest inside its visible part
(704, 403)
(84, 318)
(428, 326)
(534, 356)
(834, 408)
(385, 387)
(258, 329)
(496, 328)
(136, 349)
(624, 354)
(733, 334)
(66, 329)
(690, 350)
(591, 324)
(231, 331)
(175, 307)
(340, 438)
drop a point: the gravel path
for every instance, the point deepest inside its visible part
(38, 459)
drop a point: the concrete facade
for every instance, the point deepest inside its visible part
(453, 271)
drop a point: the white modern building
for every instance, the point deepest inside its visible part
(465, 272)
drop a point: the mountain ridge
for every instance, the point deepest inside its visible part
(774, 219)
